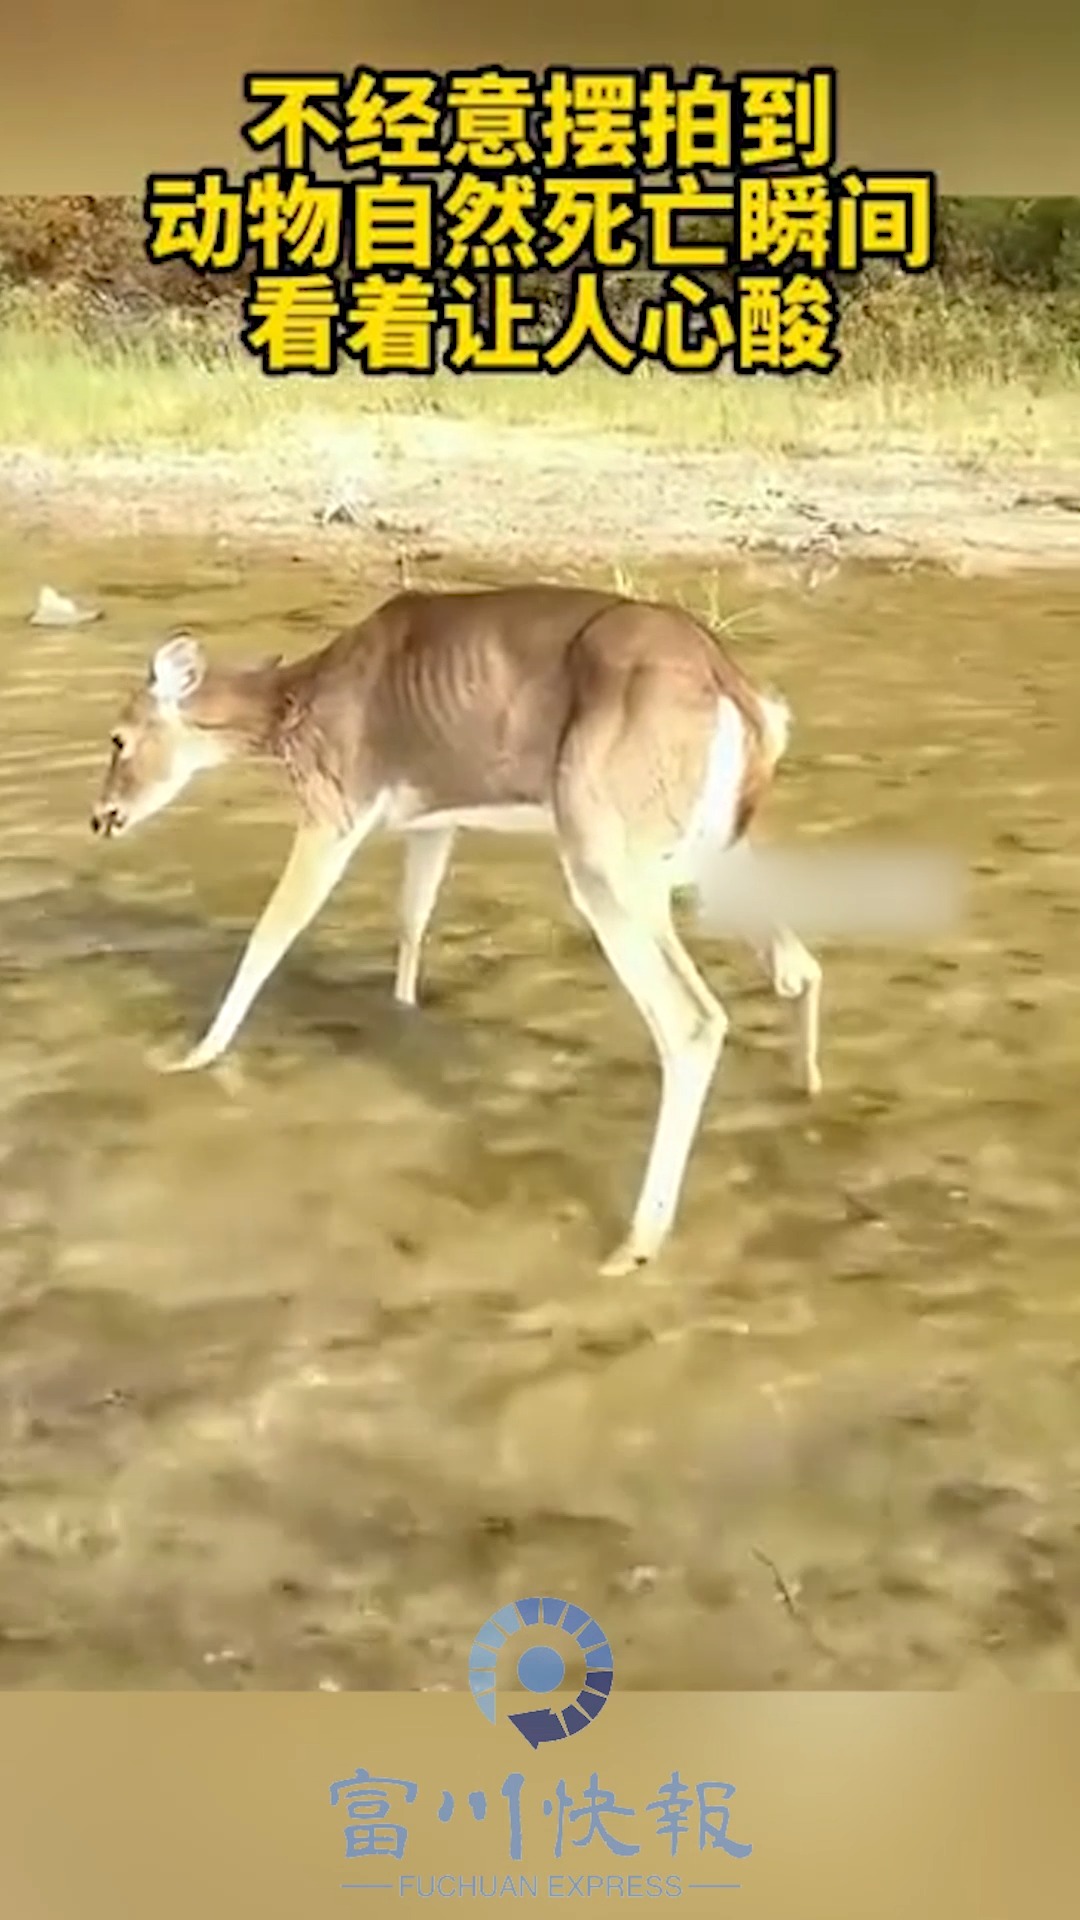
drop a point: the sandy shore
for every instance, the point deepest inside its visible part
(510, 495)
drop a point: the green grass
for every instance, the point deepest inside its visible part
(976, 372)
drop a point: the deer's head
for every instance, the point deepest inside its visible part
(162, 737)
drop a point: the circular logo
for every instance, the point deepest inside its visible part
(569, 1632)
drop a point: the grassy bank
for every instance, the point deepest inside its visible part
(977, 372)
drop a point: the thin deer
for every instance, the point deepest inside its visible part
(619, 728)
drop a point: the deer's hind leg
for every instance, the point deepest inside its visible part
(795, 974)
(621, 812)
(686, 1023)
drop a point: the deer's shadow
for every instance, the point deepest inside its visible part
(459, 1061)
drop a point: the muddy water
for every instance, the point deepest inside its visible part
(305, 1366)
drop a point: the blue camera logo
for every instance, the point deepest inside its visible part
(541, 1667)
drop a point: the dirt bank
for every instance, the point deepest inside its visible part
(424, 486)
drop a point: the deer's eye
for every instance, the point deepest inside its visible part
(118, 742)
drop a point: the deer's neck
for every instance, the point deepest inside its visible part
(245, 708)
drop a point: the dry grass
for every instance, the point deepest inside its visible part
(923, 368)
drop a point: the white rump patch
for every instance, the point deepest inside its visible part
(712, 823)
(776, 715)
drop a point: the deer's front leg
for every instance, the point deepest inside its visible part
(316, 863)
(427, 855)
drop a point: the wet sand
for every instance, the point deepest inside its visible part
(306, 1366)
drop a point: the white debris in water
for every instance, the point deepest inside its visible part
(344, 509)
(56, 610)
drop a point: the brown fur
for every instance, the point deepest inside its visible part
(473, 699)
(445, 709)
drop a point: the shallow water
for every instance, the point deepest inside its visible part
(307, 1365)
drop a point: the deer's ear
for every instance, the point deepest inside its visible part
(177, 669)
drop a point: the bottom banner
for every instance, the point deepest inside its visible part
(367, 1807)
